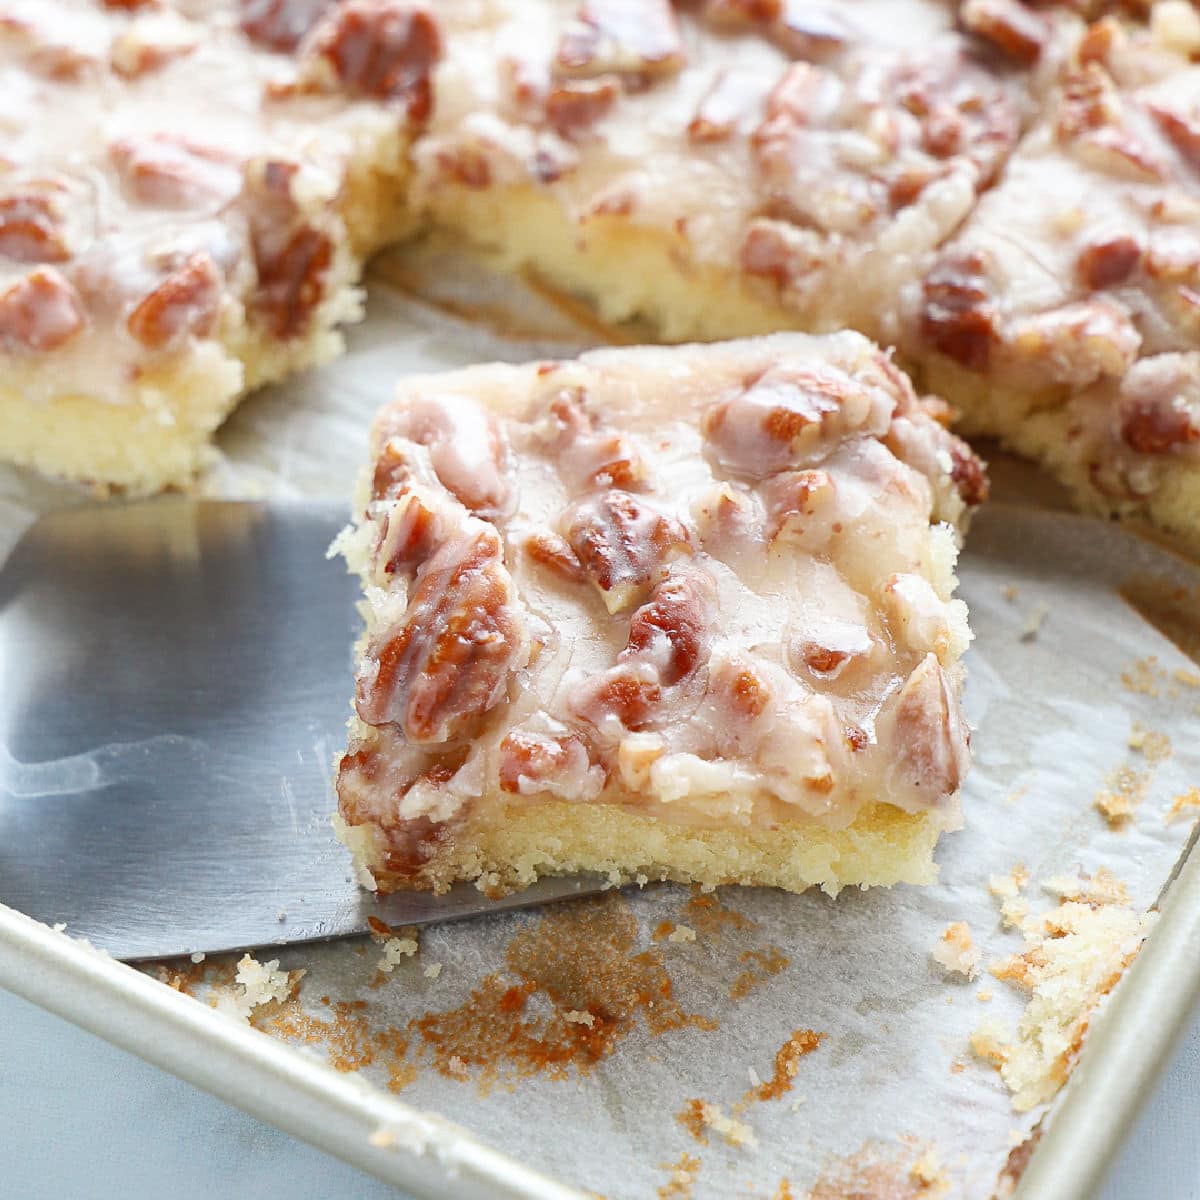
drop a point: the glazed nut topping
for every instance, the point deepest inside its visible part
(746, 630)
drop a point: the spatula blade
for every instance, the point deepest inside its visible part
(175, 681)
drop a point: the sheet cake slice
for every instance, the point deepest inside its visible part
(681, 613)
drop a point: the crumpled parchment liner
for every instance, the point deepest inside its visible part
(892, 1073)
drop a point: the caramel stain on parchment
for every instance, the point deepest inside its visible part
(759, 965)
(683, 1174)
(707, 915)
(1174, 610)
(691, 1117)
(346, 1035)
(1018, 1160)
(583, 959)
(1185, 806)
(787, 1065)
(186, 976)
(662, 931)
(872, 1175)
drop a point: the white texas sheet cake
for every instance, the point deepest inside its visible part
(684, 613)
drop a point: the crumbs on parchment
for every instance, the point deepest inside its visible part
(956, 951)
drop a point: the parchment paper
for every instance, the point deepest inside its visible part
(891, 1076)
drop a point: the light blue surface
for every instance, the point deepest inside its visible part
(80, 1119)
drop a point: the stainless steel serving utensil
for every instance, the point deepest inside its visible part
(174, 685)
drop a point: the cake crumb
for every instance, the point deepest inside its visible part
(1143, 676)
(1009, 885)
(457, 1067)
(281, 915)
(987, 1042)
(1011, 592)
(1123, 793)
(61, 927)
(753, 1076)
(395, 949)
(928, 1173)
(1185, 805)
(699, 1116)
(1034, 622)
(433, 970)
(261, 983)
(1154, 747)
(641, 880)
(682, 1175)
(197, 956)
(984, 995)
(1189, 679)
(799, 1103)
(575, 1016)
(955, 951)
(1014, 914)
(1069, 964)
(1103, 887)
(682, 933)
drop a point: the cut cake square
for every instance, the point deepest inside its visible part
(678, 613)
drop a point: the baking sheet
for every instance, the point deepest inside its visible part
(497, 1038)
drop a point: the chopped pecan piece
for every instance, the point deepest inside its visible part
(1151, 427)
(1077, 343)
(671, 631)
(539, 762)
(930, 740)
(1108, 261)
(794, 496)
(184, 305)
(170, 172)
(735, 14)
(1089, 101)
(555, 555)
(622, 693)
(1182, 130)
(778, 251)
(622, 544)
(385, 49)
(459, 641)
(152, 41)
(41, 311)
(827, 649)
(1009, 25)
(787, 416)
(31, 225)
(802, 29)
(466, 165)
(733, 97)
(958, 317)
(968, 473)
(639, 37)
(1158, 409)
(812, 31)
(412, 529)
(587, 454)
(280, 24)
(467, 449)
(749, 694)
(574, 106)
(291, 279)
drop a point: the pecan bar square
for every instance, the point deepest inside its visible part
(681, 613)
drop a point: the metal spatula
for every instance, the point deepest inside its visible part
(174, 682)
